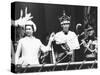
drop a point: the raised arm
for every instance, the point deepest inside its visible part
(74, 43)
(48, 47)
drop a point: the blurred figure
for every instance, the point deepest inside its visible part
(90, 43)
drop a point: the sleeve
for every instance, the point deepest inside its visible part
(17, 54)
(48, 47)
(74, 43)
(59, 38)
(45, 48)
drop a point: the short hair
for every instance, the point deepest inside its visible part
(29, 25)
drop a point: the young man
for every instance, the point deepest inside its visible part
(66, 39)
(29, 46)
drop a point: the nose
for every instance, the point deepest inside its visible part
(27, 30)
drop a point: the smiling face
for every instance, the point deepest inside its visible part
(28, 30)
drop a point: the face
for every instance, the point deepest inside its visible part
(91, 32)
(29, 30)
(65, 26)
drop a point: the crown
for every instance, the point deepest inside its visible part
(64, 17)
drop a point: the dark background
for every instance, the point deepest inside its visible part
(46, 16)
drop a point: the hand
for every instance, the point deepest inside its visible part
(52, 36)
(84, 43)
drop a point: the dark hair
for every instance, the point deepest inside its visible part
(29, 25)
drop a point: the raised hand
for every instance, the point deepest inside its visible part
(52, 36)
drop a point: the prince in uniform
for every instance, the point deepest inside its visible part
(66, 41)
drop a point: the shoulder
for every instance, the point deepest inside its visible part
(22, 39)
(59, 33)
(37, 40)
(72, 33)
